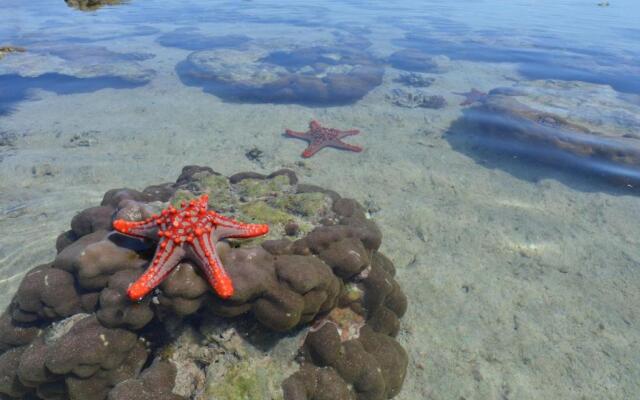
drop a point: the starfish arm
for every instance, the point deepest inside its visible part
(312, 149)
(339, 144)
(140, 229)
(294, 134)
(204, 252)
(167, 257)
(350, 132)
(231, 228)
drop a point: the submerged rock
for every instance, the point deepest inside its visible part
(310, 75)
(77, 61)
(66, 69)
(318, 304)
(4, 50)
(91, 5)
(585, 126)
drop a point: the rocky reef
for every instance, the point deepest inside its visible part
(320, 75)
(4, 50)
(314, 313)
(65, 69)
(92, 5)
(583, 126)
(44, 59)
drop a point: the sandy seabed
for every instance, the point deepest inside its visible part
(518, 289)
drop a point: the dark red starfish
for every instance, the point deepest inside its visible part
(189, 232)
(320, 137)
(471, 97)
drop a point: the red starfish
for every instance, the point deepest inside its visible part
(320, 137)
(472, 96)
(189, 232)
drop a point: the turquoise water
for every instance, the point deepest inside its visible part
(512, 219)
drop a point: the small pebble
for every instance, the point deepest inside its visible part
(291, 228)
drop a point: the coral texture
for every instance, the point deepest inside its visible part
(318, 303)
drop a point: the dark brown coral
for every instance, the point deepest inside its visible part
(71, 332)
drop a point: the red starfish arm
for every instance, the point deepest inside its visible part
(312, 149)
(339, 144)
(294, 134)
(142, 229)
(166, 258)
(230, 228)
(205, 253)
(314, 125)
(350, 132)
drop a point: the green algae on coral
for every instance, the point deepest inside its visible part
(270, 201)
(261, 211)
(352, 292)
(218, 189)
(263, 187)
(247, 381)
(306, 204)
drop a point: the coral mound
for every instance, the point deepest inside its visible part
(586, 128)
(313, 315)
(318, 75)
(92, 5)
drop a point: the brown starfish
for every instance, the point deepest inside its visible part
(320, 137)
(471, 97)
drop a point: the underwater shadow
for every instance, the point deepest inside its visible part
(15, 88)
(533, 162)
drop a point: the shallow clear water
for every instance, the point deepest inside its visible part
(512, 218)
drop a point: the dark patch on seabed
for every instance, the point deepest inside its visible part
(531, 162)
(54, 82)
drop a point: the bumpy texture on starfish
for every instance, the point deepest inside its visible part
(320, 137)
(189, 232)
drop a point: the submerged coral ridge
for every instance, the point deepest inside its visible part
(92, 5)
(320, 75)
(71, 331)
(575, 125)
